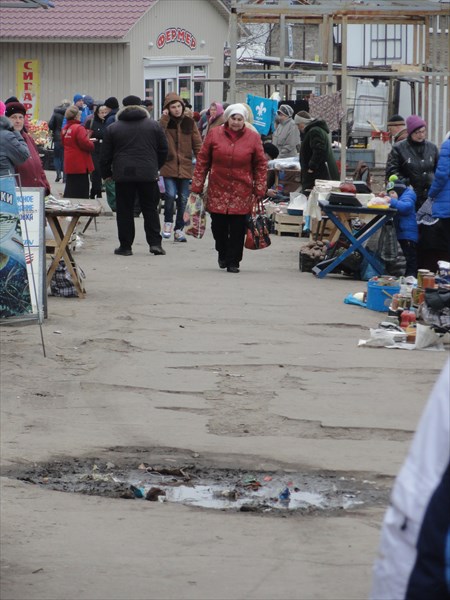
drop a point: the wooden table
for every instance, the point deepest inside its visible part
(62, 249)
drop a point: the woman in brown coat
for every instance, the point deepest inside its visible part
(184, 142)
(233, 155)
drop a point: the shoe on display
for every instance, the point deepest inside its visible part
(167, 230)
(123, 251)
(179, 236)
(157, 250)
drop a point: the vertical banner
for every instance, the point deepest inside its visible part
(15, 300)
(27, 85)
(32, 222)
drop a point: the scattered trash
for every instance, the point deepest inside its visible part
(222, 489)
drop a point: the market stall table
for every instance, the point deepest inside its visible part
(62, 239)
(339, 216)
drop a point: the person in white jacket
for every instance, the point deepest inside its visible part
(414, 555)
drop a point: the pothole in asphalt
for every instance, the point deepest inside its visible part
(224, 489)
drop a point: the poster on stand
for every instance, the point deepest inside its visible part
(15, 298)
(32, 221)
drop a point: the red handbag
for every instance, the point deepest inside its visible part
(258, 228)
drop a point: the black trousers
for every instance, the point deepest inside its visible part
(409, 249)
(229, 235)
(148, 194)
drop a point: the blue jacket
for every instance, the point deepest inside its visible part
(440, 189)
(405, 219)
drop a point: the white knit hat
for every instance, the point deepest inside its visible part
(236, 109)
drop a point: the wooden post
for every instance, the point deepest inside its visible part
(233, 56)
(344, 99)
(282, 49)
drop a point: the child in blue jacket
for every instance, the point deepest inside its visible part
(403, 199)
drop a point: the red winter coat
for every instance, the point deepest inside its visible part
(31, 172)
(237, 171)
(77, 149)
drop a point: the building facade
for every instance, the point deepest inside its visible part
(113, 48)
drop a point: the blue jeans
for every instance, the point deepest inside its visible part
(177, 190)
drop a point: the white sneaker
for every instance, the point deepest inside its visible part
(167, 230)
(179, 236)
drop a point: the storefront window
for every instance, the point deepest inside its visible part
(150, 90)
(184, 89)
(199, 96)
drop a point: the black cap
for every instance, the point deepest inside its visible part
(112, 102)
(131, 101)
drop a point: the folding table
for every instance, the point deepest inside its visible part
(339, 216)
(62, 240)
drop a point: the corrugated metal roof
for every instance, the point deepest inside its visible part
(87, 19)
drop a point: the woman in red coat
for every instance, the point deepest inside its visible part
(31, 172)
(78, 161)
(233, 156)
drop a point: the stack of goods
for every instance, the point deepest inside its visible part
(433, 297)
(311, 254)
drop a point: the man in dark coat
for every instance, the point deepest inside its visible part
(316, 156)
(414, 160)
(134, 149)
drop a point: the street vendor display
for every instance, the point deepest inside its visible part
(338, 214)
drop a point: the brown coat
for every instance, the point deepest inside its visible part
(184, 140)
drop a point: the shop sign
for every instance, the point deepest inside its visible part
(28, 86)
(175, 34)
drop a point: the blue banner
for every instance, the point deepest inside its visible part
(264, 112)
(15, 297)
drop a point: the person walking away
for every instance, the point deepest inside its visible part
(13, 148)
(286, 136)
(403, 199)
(184, 142)
(438, 247)
(96, 128)
(55, 126)
(316, 155)
(78, 161)
(134, 150)
(31, 172)
(414, 160)
(233, 156)
(397, 129)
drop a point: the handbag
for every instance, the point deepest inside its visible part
(258, 229)
(387, 244)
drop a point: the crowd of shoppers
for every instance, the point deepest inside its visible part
(98, 147)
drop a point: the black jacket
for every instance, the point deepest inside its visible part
(98, 128)
(134, 147)
(55, 123)
(414, 163)
(316, 155)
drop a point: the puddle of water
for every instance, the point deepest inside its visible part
(275, 492)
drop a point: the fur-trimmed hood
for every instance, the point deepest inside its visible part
(132, 113)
